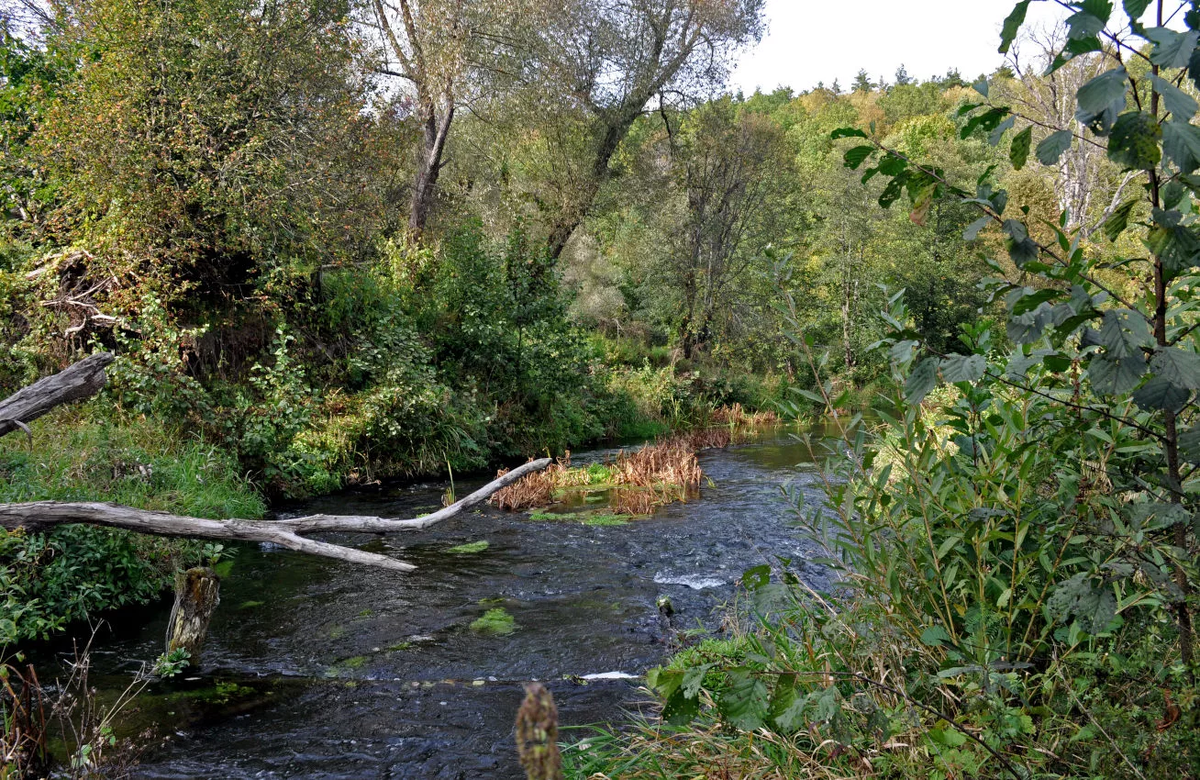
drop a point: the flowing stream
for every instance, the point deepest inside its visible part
(319, 669)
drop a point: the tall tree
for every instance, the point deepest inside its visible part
(448, 53)
(611, 58)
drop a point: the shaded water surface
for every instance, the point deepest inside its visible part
(319, 669)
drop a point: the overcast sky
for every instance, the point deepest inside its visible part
(814, 40)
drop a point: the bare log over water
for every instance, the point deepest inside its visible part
(290, 534)
(74, 383)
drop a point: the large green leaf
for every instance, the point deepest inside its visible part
(1116, 377)
(1083, 25)
(1134, 141)
(1136, 8)
(963, 368)
(1102, 99)
(744, 702)
(1161, 394)
(1094, 607)
(1123, 333)
(847, 132)
(1171, 49)
(1012, 24)
(1180, 367)
(922, 379)
(1181, 144)
(972, 231)
(855, 156)
(1021, 248)
(1019, 152)
(1116, 223)
(1052, 147)
(787, 704)
(1178, 102)
(1189, 444)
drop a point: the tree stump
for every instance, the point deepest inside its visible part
(197, 594)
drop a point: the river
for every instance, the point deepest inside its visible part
(318, 669)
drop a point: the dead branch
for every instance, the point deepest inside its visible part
(74, 383)
(40, 515)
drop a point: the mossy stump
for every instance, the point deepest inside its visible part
(197, 594)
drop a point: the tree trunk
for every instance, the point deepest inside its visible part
(429, 164)
(39, 515)
(197, 594)
(74, 383)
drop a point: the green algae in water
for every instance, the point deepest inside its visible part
(337, 632)
(495, 621)
(607, 520)
(470, 547)
(250, 604)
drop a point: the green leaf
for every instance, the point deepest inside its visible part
(1079, 598)
(981, 87)
(1101, 9)
(1019, 152)
(1021, 248)
(756, 577)
(847, 132)
(787, 704)
(1172, 49)
(1012, 25)
(679, 710)
(1189, 444)
(972, 231)
(1161, 394)
(1083, 25)
(1181, 144)
(744, 702)
(1180, 367)
(1115, 225)
(922, 379)
(963, 368)
(1172, 194)
(1053, 146)
(999, 130)
(1122, 333)
(1115, 376)
(1135, 9)
(856, 156)
(935, 636)
(1178, 102)
(1134, 141)
(1102, 99)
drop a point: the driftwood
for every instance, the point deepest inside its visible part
(74, 383)
(288, 533)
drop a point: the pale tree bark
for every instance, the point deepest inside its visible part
(289, 533)
(74, 383)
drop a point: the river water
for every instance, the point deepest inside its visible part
(318, 669)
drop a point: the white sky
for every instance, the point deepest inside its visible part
(815, 40)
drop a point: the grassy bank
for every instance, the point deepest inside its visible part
(48, 580)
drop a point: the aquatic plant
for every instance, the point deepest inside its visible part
(469, 547)
(495, 621)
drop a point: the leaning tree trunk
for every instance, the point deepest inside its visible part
(74, 383)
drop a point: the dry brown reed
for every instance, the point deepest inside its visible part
(737, 417)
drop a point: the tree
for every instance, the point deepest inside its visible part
(449, 54)
(902, 77)
(731, 166)
(608, 59)
(862, 82)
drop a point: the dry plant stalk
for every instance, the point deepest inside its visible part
(537, 734)
(23, 741)
(738, 417)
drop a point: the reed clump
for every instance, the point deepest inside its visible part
(636, 482)
(736, 416)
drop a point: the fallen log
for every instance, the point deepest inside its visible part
(74, 383)
(289, 533)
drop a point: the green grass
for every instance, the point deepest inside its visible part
(72, 572)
